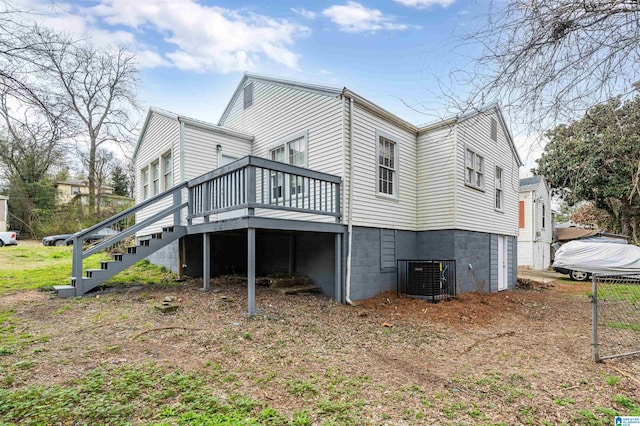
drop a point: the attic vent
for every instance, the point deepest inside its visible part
(432, 280)
(248, 95)
(494, 129)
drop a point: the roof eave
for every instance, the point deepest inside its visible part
(215, 128)
(379, 111)
(315, 88)
(152, 110)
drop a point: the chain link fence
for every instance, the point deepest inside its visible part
(616, 315)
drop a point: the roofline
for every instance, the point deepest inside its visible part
(189, 121)
(315, 88)
(379, 110)
(143, 130)
(460, 118)
(456, 118)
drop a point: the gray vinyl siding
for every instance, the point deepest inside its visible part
(475, 208)
(369, 208)
(162, 135)
(279, 112)
(200, 154)
(436, 181)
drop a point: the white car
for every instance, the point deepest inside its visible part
(8, 239)
(581, 259)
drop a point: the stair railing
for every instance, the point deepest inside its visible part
(80, 253)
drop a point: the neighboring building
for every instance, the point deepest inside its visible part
(4, 213)
(320, 181)
(535, 223)
(77, 191)
(442, 191)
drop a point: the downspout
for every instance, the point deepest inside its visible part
(181, 142)
(455, 166)
(350, 211)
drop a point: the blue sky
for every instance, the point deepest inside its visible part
(192, 53)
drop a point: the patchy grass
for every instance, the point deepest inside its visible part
(520, 357)
(29, 266)
(148, 394)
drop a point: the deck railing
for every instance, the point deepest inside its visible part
(247, 183)
(257, 183)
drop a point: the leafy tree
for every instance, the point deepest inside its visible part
(596, 159)
(120, 180)
(592, 217)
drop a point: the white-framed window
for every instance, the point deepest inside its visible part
(75, 190)
(291, 150)
(499, 191)
(544, 215)
(155, 178)
(494, 130)
(248, 95)
(474, 167)
(387, 167)
(144, 180)
(167, 171)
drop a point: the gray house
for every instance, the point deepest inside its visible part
(320, 181)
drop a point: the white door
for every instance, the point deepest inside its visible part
(502, 263)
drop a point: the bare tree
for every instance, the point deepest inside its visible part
(104, 162)
(98, 88)
(31, 144)
(30, 147)
(21, 50)
(551, 60)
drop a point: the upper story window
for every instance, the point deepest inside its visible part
(75, 190)
(155, 176)
(544, 214)
(167, 171)
(387, 173)
(144, 179)
(494, 129)
(474, 169)
(248, 95)
(499, 191)
(291, 150)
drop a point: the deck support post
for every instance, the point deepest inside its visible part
(76, 265)
(251, 271)
(206, 261)
(292, 243)
(338, 267)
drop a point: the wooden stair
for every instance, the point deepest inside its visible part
(120, 262)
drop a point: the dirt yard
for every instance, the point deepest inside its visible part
(520, 357)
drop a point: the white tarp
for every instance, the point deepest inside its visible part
(603, 258)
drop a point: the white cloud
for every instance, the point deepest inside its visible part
(420, 4)
(149, 59)
(354, 18)
(304, 12)
(206, 38)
